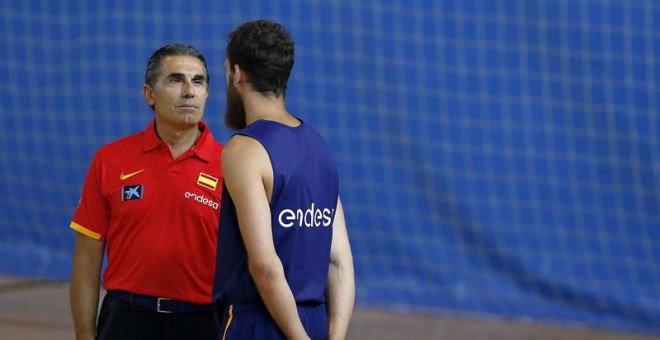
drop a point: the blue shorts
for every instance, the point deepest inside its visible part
(252, 321)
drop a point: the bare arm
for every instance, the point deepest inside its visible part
(248, 176)
(340, 293)
(84, 289)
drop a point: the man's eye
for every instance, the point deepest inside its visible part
(175, 80)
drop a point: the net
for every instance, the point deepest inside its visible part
(498, 158)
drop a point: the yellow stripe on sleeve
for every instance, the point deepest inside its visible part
(77, 227)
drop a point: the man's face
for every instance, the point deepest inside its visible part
(235, 114)
(180, 92)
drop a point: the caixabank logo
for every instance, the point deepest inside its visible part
(131, 192)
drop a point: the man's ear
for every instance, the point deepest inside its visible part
(239, 75)
(148, 93)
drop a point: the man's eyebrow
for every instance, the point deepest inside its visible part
(181, 75)
(175, 75)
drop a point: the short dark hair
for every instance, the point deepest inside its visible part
(264, 50)
(155, 65)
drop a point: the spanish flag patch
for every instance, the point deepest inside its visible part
(207, 181)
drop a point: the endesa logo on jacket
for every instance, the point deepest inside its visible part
(310, 217)
(201, 199)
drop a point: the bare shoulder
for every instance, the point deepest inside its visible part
(244, 155)
(242, 148)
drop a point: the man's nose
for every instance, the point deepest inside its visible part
(188, 89)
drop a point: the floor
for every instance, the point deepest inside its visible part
(32, 309)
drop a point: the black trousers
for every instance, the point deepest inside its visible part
(119, 320)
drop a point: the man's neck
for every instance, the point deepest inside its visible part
(178, 140)
(259, 107)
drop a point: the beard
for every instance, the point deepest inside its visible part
(235, 114)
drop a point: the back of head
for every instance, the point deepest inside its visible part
(265, 52)
(154, 66)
